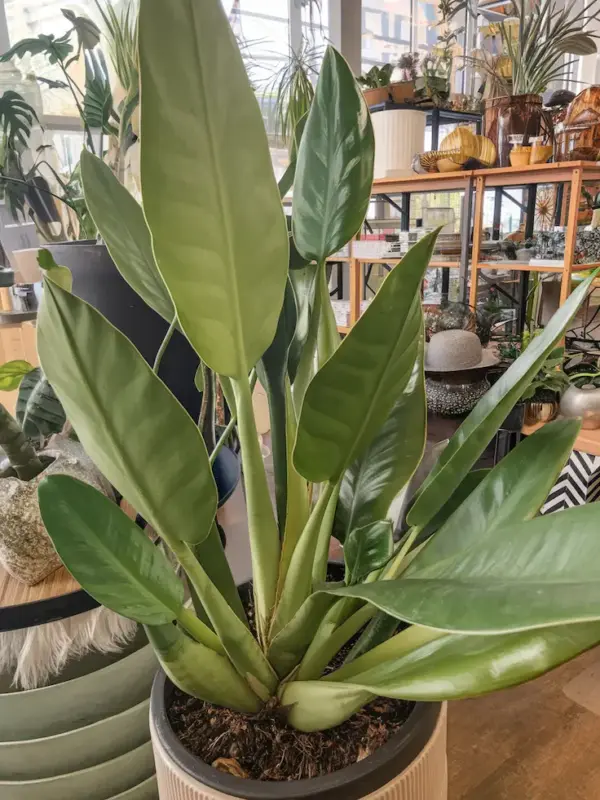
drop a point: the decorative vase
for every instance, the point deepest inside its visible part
(540, 411)
(454, 395)
(410, 766)
(515, 114)
(578, 135)
(399, 134)
(26, 550)
(582, 404)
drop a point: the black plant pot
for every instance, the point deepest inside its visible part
(422, 731)
(97, 281)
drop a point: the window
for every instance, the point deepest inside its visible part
(29, 18)
(386, 26)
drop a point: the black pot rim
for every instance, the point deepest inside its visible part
(351, 783)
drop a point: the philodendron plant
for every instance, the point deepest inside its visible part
(491, 596)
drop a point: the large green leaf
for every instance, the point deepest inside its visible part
(272, 373)
(456, 666)
(199, 671)
(98, 101)
(372, 482)
(473, 436)
(290, 644)
(367, 549)
(107, 553)
(334, 172)
(156, 459)
(39, 411)
(376, 359)
(121, 223)
(533, 574)
(12, 373)
(210, 195)
(513, 491)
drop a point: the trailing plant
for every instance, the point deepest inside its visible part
(492, 596)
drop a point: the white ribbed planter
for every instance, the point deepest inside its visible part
(399, 136)
(418, 750)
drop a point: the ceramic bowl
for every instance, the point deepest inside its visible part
(113, 778)
(63, 707)
(78, 749)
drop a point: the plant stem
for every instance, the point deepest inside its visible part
(199, 631)
(322, 549)
(222, 439)
(394, 567)
(262, 525)
(72, 86)
(164, 345)
(18, 448)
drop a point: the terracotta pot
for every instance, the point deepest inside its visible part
(411, 766)
(514, 114)
(375, 97)
(402, 91)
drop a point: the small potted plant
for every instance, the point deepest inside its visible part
(542, 397)
(278, 670)
(376, 84)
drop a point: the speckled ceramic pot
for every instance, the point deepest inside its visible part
(26, 550)
(452, 394)
(410, 766)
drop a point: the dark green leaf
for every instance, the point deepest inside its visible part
(16, 119)
(157, 460)
(42, 44)
(272, 373)
(334, 173)
(88, 33)
(303, 284)
(224, 259)
(98, 103)
(378, 357)
(121, 222)
(12, 373)
(533, 574)
(107, 553)
(367, 549)
(372, 482)
(473, 436)
(38, 408)
(513, 491)
(470, 482)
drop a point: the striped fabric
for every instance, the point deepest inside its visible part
(578, 483)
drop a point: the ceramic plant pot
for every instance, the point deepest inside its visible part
(26, 550)
(374, 97)
(63, 707)
(103, 781)
(77, 749)
(147, 790)
(536, 411)
(410, 766)
(399, 135)
(582, 404)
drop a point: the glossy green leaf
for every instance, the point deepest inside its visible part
(39, 411)
(199, 378)
(513, 491)
(303, 284)
(121, 223)
(107, 553)
(199, 671)
(60, 275)
(367, 549)
(533, 574)
(470, 482)
(12, 373)
(272, 373)
(287, 179)
(210, 196)
(456, 666)
(372, 482)
(474, 435)
(334, 173)
(157, 460)
(376, 359)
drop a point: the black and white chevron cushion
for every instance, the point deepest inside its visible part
(578, 483)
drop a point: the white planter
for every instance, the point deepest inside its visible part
(399, 136)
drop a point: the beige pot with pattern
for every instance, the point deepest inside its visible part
(411, 766)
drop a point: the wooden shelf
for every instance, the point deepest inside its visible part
(337, 259)
(588, 441)
(516, 266)
(343, 329)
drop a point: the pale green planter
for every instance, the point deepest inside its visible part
(63, 707)
(78, 749)
(104, 781)
(148, 790)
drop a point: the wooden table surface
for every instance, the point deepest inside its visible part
(588, 441)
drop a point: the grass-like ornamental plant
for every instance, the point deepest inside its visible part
(492, 597)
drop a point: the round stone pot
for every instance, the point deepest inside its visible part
(410, 766)
(582, 404)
